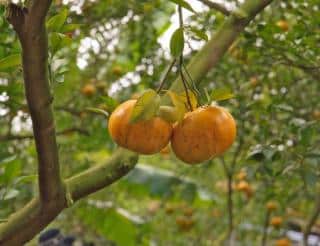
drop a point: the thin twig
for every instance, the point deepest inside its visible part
(311, 221)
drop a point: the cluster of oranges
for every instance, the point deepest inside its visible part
(204, 133)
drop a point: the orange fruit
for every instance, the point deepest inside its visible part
(283, 25)
(117, 70)
(185, 224)
(154, 206)
(88, 90)
(243, 186)
(283, 242)
(316, 114)
(144, 137)
(271, 205)
(254, 81)
(203, 134)
(188, 212)
(276, 221)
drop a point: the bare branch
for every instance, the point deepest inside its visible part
(10, 137)
(217, 6)
(23, 225)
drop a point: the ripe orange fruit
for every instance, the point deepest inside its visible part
(185, 224)
(203, 133)
(276, 221)
(283, 25)
(88, 90)
(145, 137)
(283, 242)
(243, 186)
(271, 205)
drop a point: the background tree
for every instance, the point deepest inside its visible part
(76, 56)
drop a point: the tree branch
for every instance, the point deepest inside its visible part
(217, 6)
(30, 26)
(27, 222)
(311, 221)
(214, 50)
(10, 137)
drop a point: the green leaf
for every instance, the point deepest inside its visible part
(56, 22)
(10, 194)
(26, 179)
(57, 41)
(169, 114)
(98, 111)
(200, 34)
(181, 103)
(146, 107)
(177, 42)
(10, 61)
(183, 4)
(220, 94)
(70, 27)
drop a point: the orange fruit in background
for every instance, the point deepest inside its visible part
(283, 25)
(117, 70)
(283, 242)
(271, 205)
(243, 186)
(203, 133)
(144, 137)
(188, 212)
(88, 90)
(276, 221)
(184, 223)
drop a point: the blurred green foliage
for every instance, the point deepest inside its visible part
(113, 45)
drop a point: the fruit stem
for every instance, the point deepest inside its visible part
(181, 62)
(165, 75)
